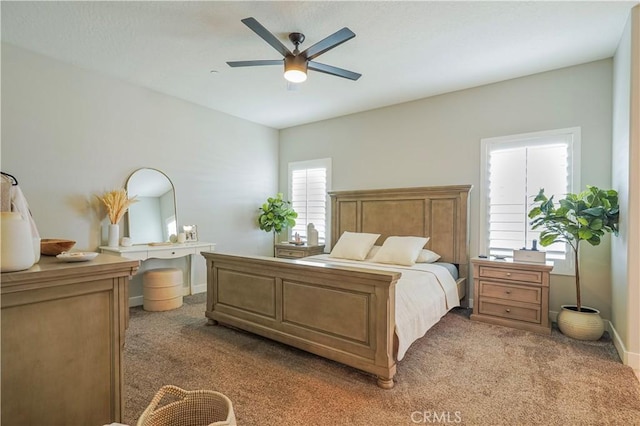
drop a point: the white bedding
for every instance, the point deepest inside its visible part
(424, 293)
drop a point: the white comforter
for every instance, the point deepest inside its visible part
(424, 293)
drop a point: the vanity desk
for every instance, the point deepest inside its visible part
(151, 221)
(144, 252)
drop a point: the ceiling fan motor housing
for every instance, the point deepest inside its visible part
(295, 62)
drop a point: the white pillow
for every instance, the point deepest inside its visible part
(400, 250)
(427, 256)
(353, 245)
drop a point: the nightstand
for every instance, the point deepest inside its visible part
(292, 251)
(511, 294)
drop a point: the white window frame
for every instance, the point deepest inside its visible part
(314, 164)
(561, 267)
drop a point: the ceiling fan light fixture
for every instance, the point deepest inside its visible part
(295, 69)
(295, 76)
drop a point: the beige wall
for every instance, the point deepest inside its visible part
(625, 254)
(436, 141)
(68, 134)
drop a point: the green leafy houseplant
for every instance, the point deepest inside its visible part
(586, 216)
(276, 215)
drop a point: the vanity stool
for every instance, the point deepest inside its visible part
(162, 289)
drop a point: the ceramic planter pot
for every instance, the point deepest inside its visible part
(583, 325)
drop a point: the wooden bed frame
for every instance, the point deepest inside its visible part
(341, 313)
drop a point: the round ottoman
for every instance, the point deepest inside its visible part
(162, 289)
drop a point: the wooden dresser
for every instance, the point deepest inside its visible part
(63, 328)
(511, 294)
(292, 251)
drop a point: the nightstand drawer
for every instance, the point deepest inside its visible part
(521, 293)
(290, 253)
(520, 312)
(510, 274)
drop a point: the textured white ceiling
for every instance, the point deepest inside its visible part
(405, 50)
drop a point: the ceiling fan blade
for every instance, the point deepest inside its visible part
(266, 35)
(328, 69)
(255, 63)
(335, 39)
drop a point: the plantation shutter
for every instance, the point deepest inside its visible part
(516, 169)
(308, 199)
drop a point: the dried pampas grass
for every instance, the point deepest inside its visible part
(117, 203)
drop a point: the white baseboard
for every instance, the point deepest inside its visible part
(632, 359)
(197, 288)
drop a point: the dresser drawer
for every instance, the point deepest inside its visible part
(520, 312)
(521, 293)
(510, 274)
(290, 254)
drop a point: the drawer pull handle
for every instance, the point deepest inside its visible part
(508, 274)
(508, 291)
(173, 252)
(507, 310)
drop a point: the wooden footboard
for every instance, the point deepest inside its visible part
(343, 314)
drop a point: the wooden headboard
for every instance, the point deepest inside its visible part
(438, 212)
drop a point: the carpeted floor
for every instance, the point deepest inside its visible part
(461, 372)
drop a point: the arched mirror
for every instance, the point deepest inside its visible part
(153, 218)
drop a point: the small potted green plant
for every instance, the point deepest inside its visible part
(586, 216)
(276, 215)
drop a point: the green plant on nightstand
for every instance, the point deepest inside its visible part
(276, 215)
(586, 216)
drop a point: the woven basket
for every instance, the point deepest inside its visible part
(188, 408)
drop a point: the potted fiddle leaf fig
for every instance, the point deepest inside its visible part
(586, 216)
(276, 215)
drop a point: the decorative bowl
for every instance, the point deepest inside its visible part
(55, 246)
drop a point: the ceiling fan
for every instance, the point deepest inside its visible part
(297, 63)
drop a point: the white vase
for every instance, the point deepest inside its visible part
(114, 235)
(312, 235)
(17, 243)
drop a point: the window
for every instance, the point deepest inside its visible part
(309, 182)
(171, 226)
(513, 169)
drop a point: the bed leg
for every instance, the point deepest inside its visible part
(385, 383)
(211, 322)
